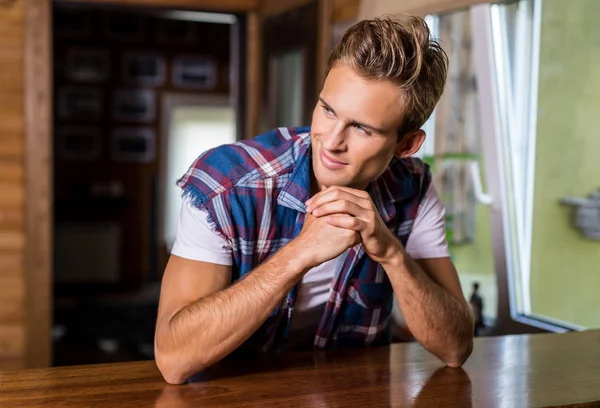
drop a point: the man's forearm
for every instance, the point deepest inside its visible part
(439, 321)
(205, 331)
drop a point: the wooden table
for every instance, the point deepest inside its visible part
(514, 371)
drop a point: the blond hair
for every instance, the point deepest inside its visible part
(400, 51)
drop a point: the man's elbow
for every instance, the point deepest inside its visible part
(173, 368)
(459, 355)
(171, 371)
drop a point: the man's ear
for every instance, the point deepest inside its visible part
(410, 144)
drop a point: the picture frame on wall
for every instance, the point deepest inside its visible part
(134, 105)
(143, 68)
(133, 144)
(175, 32)
(79, 143)
(87, 65)
(71, 22)
(79, 103)
(127, 27)
(194, 72)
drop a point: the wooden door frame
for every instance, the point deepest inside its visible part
(38, 149)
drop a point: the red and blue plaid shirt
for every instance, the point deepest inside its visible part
(254, 193)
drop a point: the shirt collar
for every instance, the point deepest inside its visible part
(297, 190)
(393, 186)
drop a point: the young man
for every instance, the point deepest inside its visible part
(302, 236)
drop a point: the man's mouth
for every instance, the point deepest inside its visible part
(331, 163)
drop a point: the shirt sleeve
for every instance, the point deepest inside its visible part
(428, 236)
(196, 240)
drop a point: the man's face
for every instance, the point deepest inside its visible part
(354, 129)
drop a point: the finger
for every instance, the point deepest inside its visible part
(356, 192)
(340, 207)
(335, 194)
(346, 222)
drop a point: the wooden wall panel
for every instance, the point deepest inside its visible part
(217, 5)
(12, 235)
(38, 189)
(374, 8)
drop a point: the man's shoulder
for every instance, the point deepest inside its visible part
(246, 162)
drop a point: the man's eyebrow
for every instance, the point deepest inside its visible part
(354, 122)
(326, 104)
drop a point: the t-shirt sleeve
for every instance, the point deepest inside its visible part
(428, 236)
(196, 240)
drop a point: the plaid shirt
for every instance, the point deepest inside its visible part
(254, 193)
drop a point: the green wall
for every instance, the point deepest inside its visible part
(565, 274)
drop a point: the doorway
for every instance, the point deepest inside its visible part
(133, 88)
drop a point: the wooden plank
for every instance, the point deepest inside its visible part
(12, 240)
(12, 293)
(12, 339)
(11, 170)
(12, 262)
(207, 5)
(374, 8)
(9, 363)
(11, 195)
(269, 8)
(38, 170)
(11, 141)
(253, 75)
(11, 219)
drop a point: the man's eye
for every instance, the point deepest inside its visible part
(362, 130)
(327, 110)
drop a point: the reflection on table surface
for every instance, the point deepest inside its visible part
(514, 371)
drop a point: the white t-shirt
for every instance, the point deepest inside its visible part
(197, 241)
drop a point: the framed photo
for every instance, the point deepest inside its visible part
(134, 105)
(127, 27)
(79, 143)
(71, 22)
(79, 103)
(176, 32)
(143, 68)
(133, 144)
(87, 65)
(195, 72)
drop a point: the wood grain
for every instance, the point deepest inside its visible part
(208, 5)
(513, 371)
(38, 171)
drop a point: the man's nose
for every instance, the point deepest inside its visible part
(335, 139)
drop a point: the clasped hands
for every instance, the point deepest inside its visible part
(353, 209)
